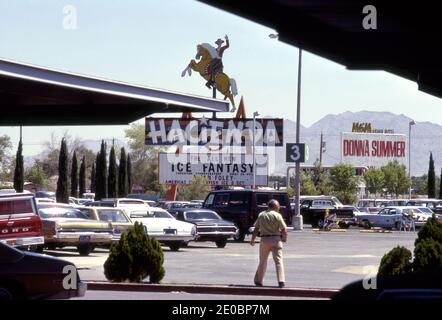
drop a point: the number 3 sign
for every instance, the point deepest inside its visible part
(296, 152)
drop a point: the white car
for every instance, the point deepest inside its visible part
(162, 226)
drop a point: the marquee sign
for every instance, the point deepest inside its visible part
(219, 169)
(221, 132)
(373, 149)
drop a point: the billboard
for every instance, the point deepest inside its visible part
(219, 169)
(373, 149)
(217, 131)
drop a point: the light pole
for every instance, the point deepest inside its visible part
(411, 123)
(298, 130)
(255, 114)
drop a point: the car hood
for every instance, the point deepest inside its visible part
(159, 224)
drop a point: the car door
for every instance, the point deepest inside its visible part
(389, 218)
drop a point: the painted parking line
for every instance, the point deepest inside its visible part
(359, 270)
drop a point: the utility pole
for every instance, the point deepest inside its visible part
(320, 151)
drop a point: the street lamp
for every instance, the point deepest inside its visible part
(298, 131)
(411, 123)
(255, 114)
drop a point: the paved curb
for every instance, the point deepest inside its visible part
(212, 289)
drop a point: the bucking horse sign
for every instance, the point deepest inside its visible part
(210, 67)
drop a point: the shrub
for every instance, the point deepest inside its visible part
(396, 262)
(427, 255)
(431, 230)
(135, 257)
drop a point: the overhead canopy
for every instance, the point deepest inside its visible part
(407, 41)
(32, 95)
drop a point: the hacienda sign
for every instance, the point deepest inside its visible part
(213, 132)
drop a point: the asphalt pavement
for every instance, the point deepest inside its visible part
(312, 260)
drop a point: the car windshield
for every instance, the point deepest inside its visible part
(61, 213)
(199, 215)
(112, 216)
(426, 210)
(151, 214)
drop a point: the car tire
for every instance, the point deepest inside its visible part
(39, 249)
(366, 224)
(239, 236)
(343, 225)
(85, 249)
(6, 294)
(320, 223)
(397, 226)
(175, 246)
(221, 243)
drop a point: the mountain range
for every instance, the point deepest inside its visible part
(426, 137)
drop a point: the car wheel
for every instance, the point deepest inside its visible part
(221, 243)
(39, 249)
(366, 224)
(239, 236)
(397, 226)
(320, 223)
(343, 225)
(6, 294)
(175, 246)
(85, 249)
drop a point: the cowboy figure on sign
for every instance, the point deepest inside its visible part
(216, 65)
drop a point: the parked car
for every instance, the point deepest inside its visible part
(161, 225)
(314, 209)
(389, 218)
(25, 275)
(370, 210)
(372, 203)
(44, 200)
(20, 224)
(118, 202)
(209, 225)
(45, 194)
(433, 204)
(172, 205)
(115, 217)
(243, 206)
(88, 195)
(64, 227)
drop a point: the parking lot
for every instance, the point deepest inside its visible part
(312, 259)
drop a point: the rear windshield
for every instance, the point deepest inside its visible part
(112, 216)
(202, 215)
(15, 206)
(49, 213)
(131, 202)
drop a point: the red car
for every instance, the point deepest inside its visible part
(20, 225)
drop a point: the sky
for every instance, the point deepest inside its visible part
(149, 42)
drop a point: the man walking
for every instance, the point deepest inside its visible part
(273, 231)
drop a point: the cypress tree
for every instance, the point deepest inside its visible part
(129, 174)
(431, 179)
(122, 175)
(62, 193)
(101, 173)
(74, 176)
(440, 186)
(93, 178)
(112, 183)
(19, 170)
(82, 181)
